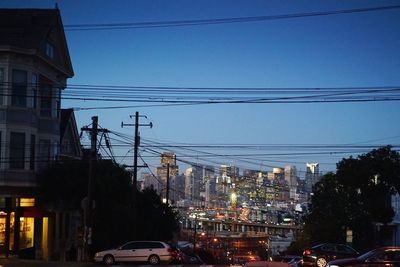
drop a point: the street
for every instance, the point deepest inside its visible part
(11, 262)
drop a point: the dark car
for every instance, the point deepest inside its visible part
(321, 254)
(385, 256)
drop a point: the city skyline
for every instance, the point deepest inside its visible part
(355, 50)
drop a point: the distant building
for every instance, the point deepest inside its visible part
(312, 176)
(276, 174)
(209, 181)
(229, 170)
(291, 179)
(193, 179)
(149, 181)
(167, 168)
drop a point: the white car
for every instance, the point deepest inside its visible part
(152, 252)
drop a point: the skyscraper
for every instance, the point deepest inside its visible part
(291, 179)
(312, 176)
(167, 167)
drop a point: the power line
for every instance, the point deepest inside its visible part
(200, 22)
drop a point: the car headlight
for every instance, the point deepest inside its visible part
(332, 265)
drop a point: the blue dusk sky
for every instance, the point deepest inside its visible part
(334, 51)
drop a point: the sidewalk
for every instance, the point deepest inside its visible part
(15, 262)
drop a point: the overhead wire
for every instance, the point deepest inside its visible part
(201, 22)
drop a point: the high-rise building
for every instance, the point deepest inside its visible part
(291, 179)
(229, 170)
(209, 180)
(312, 176)
(167, 168)
(193, 180)
(276, 174)
(149, 181)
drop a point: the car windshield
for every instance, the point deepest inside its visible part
(365, 256)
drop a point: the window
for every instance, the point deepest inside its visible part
(328, 247)
(19, 84)
(17, 150)
(50, 50)
(45, 101)
(32, 155)
(34, 84)
(26, 234)
(0, 150)
(131, 245)
(26, 202)
(345, 249)
(1, 85)
(58, 104)
(44, 153)
(155, 245)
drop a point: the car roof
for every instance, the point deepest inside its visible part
(323, 244)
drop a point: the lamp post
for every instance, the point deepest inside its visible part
(195, 232)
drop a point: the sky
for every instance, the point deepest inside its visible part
(333, 51)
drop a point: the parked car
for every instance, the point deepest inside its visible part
(292, 260)
(321, 254)
(177, 254)
(152, 252)
(385, 256)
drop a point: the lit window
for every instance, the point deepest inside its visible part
(26, 202)
(26, 232)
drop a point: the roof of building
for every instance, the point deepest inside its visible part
(30, 28)
(65, 118)
(68, 123)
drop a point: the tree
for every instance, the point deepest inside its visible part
(357, 197)
(64, 185)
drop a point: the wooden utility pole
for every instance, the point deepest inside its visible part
(136, 146)
(136, 149)
(167, 194)
(89, 205)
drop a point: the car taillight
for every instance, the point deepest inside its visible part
(307, 252)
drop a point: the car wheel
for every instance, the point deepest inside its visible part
(321, 262)
(154, 259)
(108, 260)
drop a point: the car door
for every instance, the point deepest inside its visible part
(328, 252)
(141, 251)
(125, 252)
(384, 258)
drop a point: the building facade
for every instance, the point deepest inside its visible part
(34, 67)
(312, 176)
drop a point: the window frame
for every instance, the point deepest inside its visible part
(19, 89)
(2, 83)
(17, 151)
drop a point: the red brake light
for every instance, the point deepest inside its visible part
(307, 252)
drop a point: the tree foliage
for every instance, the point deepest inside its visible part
(119, 215)
(357, 197)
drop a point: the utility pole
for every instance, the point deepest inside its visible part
(89, 205)
(195, 232)
(136, 146)
(167, 194)
(88, 202)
